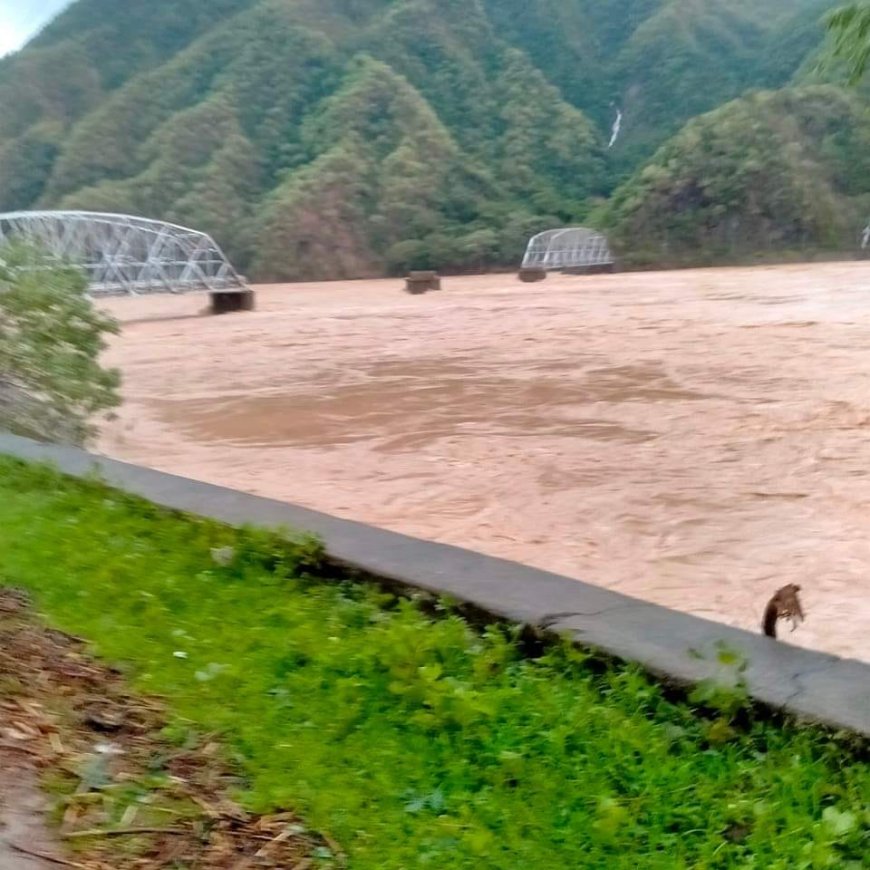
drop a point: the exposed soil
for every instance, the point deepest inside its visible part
(89, 781)
(695, 438)
(22, 816)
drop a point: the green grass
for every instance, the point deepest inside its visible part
(417, 741)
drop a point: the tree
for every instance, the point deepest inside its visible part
(51, 337)
(776, 170)
(850, 26)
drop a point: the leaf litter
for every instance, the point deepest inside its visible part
(126, 796)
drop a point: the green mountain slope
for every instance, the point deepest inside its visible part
(451, 141)
(659, 61)
(445, 131)
(786, 170)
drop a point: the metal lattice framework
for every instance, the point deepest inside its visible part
(126, 255)
(567, 248)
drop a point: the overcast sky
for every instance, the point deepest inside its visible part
(20, 19)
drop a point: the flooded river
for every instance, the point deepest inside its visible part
(694, 438)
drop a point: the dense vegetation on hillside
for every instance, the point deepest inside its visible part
(661, 62)
(332, 138)
(786, 170)
(850, 28)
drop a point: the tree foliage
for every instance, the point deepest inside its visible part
(51, 337)
(850, 26)
(786, 170)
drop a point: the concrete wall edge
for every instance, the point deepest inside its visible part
(810, 685)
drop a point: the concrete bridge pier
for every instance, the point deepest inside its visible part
(227, 301)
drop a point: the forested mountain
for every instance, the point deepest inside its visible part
(336, 138)
(785, 170)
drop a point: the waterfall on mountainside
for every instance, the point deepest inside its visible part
(617, 126)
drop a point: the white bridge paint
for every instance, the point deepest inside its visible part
(566, 248)
(123, 254)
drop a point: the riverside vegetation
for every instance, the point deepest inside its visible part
(51, 336)
(405, 734)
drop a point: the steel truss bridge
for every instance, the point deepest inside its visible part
(122, 254)
(567, 248)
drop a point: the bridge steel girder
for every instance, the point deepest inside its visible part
(126, 255)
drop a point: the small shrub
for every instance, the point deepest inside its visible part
(51, 337)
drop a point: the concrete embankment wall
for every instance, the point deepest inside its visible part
(677, 646)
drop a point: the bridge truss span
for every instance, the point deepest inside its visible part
(568, 248)
(126, 255)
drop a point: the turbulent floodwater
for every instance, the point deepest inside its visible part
(694, 438)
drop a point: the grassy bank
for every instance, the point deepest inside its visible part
(415, 741)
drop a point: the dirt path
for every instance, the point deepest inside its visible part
(23, 809)
(694, 438)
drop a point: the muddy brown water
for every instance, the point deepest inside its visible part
(694, 438)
